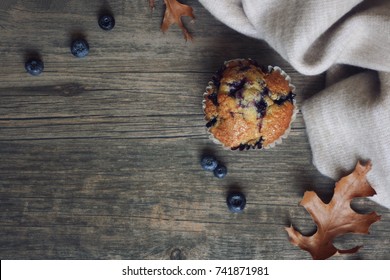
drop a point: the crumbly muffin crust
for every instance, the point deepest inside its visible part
(247, 105)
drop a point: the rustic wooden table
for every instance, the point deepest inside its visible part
(100, 156)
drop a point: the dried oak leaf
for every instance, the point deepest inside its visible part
(337, 217)
(173, 13)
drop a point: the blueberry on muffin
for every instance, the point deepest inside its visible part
(248, 106)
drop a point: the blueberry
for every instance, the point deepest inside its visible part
(218, 76)
(212, 122)
(79, 48)
(282, 99)
(261, 108)
(236, 202)
(220, 171)
(209, 163)
(106, 22)
(214, 98)
(236, 86)
(34, 66)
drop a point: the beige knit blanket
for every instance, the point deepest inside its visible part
(349, 39)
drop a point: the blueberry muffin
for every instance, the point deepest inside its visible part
(248, 106)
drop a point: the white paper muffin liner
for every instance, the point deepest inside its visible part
(277, 141)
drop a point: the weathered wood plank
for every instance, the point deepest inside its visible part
(100, 156)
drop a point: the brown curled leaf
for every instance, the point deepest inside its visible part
(337, 217)
(173, 13)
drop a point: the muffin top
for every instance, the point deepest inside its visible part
(247, 105)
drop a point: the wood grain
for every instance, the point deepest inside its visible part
(100, 156)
